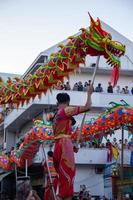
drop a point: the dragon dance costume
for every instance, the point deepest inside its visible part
(63, 151)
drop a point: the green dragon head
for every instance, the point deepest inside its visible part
(102, 42)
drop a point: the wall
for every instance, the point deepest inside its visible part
(85, 174)
(10, 140)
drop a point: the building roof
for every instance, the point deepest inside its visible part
(5, 76)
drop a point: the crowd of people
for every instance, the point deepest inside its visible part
(118, 144)
(79, 86)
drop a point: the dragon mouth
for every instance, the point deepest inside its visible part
(114, 51)
(113, 55)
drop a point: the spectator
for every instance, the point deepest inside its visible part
(123, 91)
(110, 88)
(75, 87)
(63, 87)
(58, 86)
(80, 86)
(107, 143)
(68, 86)
(120, 144)
(130, 144)
(85, 86)
(132, 90)
(115, 144)
(89, 82)
(118, 89)
(102, 145)
(99, 88)
(126, 90)
(125, 144)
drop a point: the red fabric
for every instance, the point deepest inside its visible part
(63, 153)
(62, 121)
(48, 195)
(65, 166)
(109, 153)
(115, 76)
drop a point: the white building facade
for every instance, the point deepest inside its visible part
(90, 162)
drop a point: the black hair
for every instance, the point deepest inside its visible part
(63, 98)
(50, 153)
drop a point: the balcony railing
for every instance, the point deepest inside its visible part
(99, 100)
(90, 156)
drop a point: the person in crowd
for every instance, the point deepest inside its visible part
(58, 86)
(125, 145)
(118, 89)
(89, 82)
(132, 90)
(63, 87)
(120, 144)
(75, 87)
(115, 144)
(85, 86)
(110, 88)
(48, 195)
(107, 143)
(80, 86)
(101, 145)
(126, 90)
(68, 87)
(23, 188)
(99, 88)
(123, 91)
(63, 150)
(130, 144)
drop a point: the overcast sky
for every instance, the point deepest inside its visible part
(28, 27)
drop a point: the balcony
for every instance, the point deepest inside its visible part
(90, 156)
(100, 101)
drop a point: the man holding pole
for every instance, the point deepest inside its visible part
(64, 151)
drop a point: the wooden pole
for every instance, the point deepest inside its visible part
(26, 167)
(83, 120)
(121, 168)
(122, 153)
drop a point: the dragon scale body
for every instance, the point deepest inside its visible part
(94, 41)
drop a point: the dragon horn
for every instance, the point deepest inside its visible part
(92, 20)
